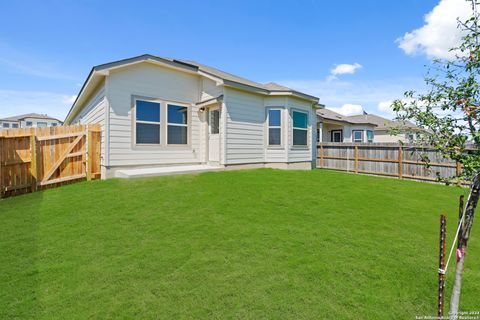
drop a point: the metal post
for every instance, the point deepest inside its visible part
(441, 266)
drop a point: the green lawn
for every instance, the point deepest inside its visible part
(254, 244)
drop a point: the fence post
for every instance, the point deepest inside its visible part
(400, 162)
(33, 161)
(89, 153)
(321, 156)
(356, 159)
(441, 266)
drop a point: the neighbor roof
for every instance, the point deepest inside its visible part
(226, 78)
(30, 115)
(332, 115)
(385, 124)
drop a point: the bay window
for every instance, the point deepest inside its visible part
(300, 128)
(274, 127)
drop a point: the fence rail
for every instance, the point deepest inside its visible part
(395, 160)
(32, 159)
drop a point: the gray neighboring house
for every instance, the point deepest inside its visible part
(334, 127)
(409, 132)
(29, 120)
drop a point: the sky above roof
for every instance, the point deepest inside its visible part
(353, 55)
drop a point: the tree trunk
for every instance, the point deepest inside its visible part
(457, 285)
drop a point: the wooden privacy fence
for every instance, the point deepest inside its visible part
(387, 159)
(32, 159)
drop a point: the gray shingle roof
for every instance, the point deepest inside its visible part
(385, 124)
(30, 115)
(332, 115)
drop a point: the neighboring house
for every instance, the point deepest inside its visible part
(408, 132)
(29, 120)
(161, 112)
(333, 127)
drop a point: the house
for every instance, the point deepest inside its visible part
(158, 112)
(334, 127)
(29, 120)
(408, 131)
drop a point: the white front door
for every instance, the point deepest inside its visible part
(214, 134)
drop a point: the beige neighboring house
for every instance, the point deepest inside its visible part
(409, 132)
(334, 127)
(157, 113)
(29, 120)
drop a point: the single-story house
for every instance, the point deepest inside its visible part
(408, 131)
(29, 120)
(157, 112)
(334, 127)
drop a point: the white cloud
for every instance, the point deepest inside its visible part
(20, 102)
(440, 32)
(349, 109)
(366, 93)
(386, 107)
(345, 68)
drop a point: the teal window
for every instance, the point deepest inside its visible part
(369, 135)
(300, 128)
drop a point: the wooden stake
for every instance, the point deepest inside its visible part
(441, 266)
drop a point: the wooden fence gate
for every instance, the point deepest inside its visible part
(33, 159)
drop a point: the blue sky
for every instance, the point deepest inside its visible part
(47, 48)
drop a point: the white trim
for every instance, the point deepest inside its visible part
(187, 125)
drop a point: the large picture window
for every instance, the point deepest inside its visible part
(300, 128)
(177, 125)
(274, 127)
(147, 122)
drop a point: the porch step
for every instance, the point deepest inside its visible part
(165, 171)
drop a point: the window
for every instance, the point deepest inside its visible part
(214, 121)
(6, 125)
(41, 124)
(369, 135)
(300, 128)
(336, 136)
(357, 135)
(177, 126)
(274, 127)
(54, 124)
(14, 125)
(410, 137)
(28, 123)
(147, 122)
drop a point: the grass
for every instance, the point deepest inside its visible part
(241, 244)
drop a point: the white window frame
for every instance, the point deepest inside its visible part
(273, 146)
(301, 146)
(353, 136)
(42, 122)
(135, 121)
(187, 125)
(29, 123)
(15, 126)
(373, 135)
(5, 125)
